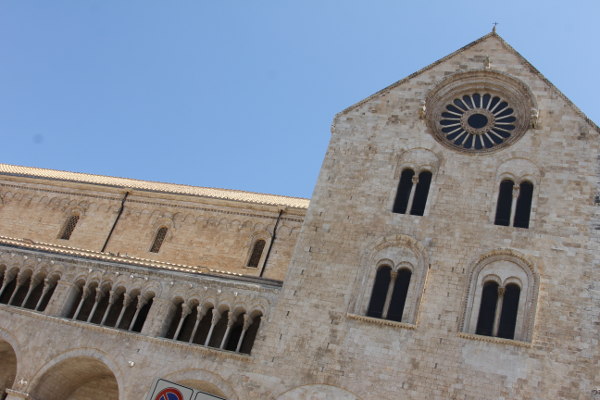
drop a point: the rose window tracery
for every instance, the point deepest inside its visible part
(479, 112)
(477, 121)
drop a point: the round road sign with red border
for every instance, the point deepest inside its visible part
(169, 394)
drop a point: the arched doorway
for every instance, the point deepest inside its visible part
(203, 386)
(78, 378)
(8, 367)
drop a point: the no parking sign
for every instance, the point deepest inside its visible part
(165, 390)
(169, 394)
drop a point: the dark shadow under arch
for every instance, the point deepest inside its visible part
(78, 378)
(8, 366)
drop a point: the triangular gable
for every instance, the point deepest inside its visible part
(494, 35)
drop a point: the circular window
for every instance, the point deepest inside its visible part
(478, 121)
(479, 111)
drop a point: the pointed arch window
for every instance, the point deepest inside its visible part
(158, 239)
(256, 255)
(69, 227)
(514, 204)
(412, 192)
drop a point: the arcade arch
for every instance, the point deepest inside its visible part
(8, 366)
(77, 378)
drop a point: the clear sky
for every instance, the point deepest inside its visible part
(240, 94)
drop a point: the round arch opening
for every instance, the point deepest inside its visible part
(79, 378)
(8, 366)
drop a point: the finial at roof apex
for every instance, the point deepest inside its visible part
(494, 27)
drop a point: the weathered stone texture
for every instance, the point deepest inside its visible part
(315, 340)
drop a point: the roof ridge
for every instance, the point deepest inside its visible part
(175, 188)
(416, 73)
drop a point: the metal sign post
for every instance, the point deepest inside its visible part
(165, 390)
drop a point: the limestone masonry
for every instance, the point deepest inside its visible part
(450, 251)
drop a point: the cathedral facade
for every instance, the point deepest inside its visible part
(450, 251)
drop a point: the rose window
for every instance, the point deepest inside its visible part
(477, 121)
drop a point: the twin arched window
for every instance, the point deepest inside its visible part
(501, 297)
(389, 293)
(514, 204)
(412, 192)
(498, 310)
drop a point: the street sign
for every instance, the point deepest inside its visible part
(165, 390)
(169, 394)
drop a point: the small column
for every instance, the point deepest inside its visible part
(185, 311)
(230, 324)
(390, 291)
(513, 205)
(7, 280)
(141, 303)
(111, 301)
(247, 323)
(126, 301)
(84, 295)
(216, 316)
(415, 181)
(44, 293)
(17, 287)
(499, 302)
(200, 313)
(96, 302)
(32, 285)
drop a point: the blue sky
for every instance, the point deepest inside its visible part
(241, 94)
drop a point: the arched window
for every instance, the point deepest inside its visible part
(399, 294)
(142, 313)
(523, 205)
(115, 307)
(37, 288)
(47, 292)
(68, 227)
(487, 309)
(247, 338)
(514, 204)
(504, 205)
(9, 284)
(403, 193)
(256, 254)
(412, 192)
(421, 193)
(501, 298)
(219, 330)
(389, 293)
(508, 314)
(379, 293)
(158, 239)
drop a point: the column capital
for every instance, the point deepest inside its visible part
(515, 190)
(247, 321)
(216, 316)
